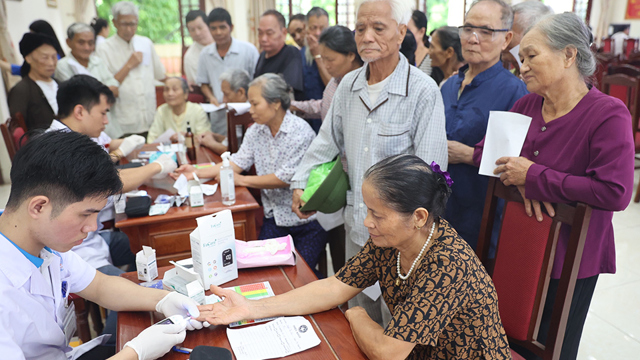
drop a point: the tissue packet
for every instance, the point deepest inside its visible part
(270, 252)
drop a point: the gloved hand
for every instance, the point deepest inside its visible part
(157, 340)
(131, 143)
(178, 304)
(167, 164)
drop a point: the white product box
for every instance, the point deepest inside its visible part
(213, 249)
(184, 281)
(146, 264)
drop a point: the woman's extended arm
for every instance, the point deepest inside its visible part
(371, 339)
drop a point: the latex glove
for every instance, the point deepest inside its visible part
(157, 340)
(167, 166)
(131, 143)
(178, 304)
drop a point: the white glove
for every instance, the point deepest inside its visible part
(178, 304)
(131, 143)
(157, 340)
(167, 164)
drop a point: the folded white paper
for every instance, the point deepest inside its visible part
(279, 338)
(165, 137)
(514, 52)
(182, 185)
(240, 108)
(209, 108)
(506, 133)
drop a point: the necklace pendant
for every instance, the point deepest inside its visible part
(398, 282)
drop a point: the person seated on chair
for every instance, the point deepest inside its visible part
(276, 131)
(443, 302)
(84, 103)
(177, 112)
(579, 148)
(35, 95)
(235, 85)
(59, 182)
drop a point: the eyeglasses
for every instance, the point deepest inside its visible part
(482, 33)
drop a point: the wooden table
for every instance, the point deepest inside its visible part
(331, 326)
(168, 234)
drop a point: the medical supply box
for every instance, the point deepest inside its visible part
(146, 264)
(213, 249)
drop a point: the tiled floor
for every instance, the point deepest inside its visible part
(612, 330)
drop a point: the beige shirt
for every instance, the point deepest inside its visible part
(135, 107)
(69, 66)
(191, 61)
(165, 119)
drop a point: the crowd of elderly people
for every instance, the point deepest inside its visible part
(397, 125)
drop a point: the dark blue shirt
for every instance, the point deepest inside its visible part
(313, 85)
(466, 122)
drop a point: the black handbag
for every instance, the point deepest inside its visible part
(138, 206)
(202, 352)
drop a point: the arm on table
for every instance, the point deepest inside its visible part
(134, 177)
(308, 299)
(371, 339)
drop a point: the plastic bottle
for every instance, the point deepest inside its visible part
(227, 185)
(189, 144)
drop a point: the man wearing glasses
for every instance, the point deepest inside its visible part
(480, 86)
(133, 61)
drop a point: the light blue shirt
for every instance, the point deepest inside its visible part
(241, 55)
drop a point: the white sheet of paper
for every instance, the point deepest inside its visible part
(209, 189)
(84, 348)
(506, 133)
(165, 136)
(139, 45)
(373, 291)
(279, 338)
(240, 108)
(182, 185)
(209, 108)
(514, 52)
(171, 148)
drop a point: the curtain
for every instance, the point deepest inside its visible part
(602, 27)
(7, 50)
(256, 8)
(212, 4)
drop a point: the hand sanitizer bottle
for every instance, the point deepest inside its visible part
(227, 185)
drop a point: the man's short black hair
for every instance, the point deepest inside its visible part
(219, 14)
(82, 90)
(278, 15)
(299, 17)
(66, 167)
(194, 14)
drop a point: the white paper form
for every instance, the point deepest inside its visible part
(506, 133)
(209, 108)
(140, 45)
(165, 137)
(281, 337)
(240, 108)
(514, 52)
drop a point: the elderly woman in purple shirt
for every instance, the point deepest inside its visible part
(579, 148)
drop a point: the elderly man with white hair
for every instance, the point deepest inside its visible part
(525, 15)
(384, 108)
(133, 61)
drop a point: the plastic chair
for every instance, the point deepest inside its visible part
(522, 267)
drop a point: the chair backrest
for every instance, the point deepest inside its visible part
(522, 267)
(603, 62)
(237, 126)
(607, 45)
(625, 88)
(196, 95)
(629, 46)
(13, 131)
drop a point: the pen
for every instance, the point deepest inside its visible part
(182, 350)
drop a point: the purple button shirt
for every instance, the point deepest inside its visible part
(584, 156)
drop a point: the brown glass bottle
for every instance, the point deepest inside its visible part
(189, 144)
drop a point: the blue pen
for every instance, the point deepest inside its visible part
(182, 350)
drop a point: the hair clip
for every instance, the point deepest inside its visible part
(436, 168)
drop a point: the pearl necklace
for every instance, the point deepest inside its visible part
(424, 247)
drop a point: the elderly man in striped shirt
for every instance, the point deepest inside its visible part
(385, 108)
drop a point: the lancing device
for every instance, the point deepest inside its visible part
(182, 350)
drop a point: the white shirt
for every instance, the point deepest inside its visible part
(375, 89)
(32, 305)
(191, 58)
(136, 104)
(69, 66)
(100, 39)
(94, 250)
(618, 42)
(50, 90)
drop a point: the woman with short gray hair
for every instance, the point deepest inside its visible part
(275, 145)
(579, 148)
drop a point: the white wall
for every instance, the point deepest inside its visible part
(617, 15)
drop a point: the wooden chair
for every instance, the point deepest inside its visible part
(629, 46)
(603, 62)
(607, 45)
(237, 126)
(523, 263)
(196, 95)
(83, 309)
(12, 133)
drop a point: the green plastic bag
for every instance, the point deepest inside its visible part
(316, 177)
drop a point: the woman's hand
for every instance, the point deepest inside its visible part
(297, 204)
(513, 170)
(528, 204)
(207, 139)
(355, 313)
(186, 169)
(233, 307)
(459, 153)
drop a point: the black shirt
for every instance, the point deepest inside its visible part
(286, 62)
